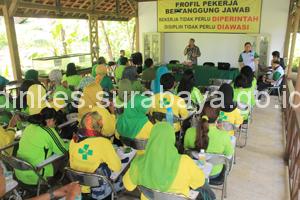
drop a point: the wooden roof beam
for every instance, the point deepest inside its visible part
(68, 10)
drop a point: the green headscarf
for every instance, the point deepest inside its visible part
(131, 122)
(158, 167)
(32, 75)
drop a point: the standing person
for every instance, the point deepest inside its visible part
(192, 52)
(249, 57)
(122, 55)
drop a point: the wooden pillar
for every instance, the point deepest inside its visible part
(12, 43)
(137, 33)
(288, 37)
(94, 42)
(293, 42)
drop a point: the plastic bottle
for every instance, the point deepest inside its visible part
(202, 159)
(169, 116)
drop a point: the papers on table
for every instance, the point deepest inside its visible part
(10, 184)
(120, 151)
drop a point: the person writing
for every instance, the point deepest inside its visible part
(192, 52)
(249, 57)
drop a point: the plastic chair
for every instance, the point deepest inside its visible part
(157, 195)
(220, 183)
(22, 165)
(90, 179)
(277, 88)
(137, 144)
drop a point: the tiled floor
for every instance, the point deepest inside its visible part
(259, 173)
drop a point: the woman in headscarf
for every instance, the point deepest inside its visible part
(229, 110)
(134, 123)
(32, 75)
(58, 90)
(36, 99)
(92, 101)
(91, 152)
(155, 86)
(161, 167)
(5, 103)
(187, 85)
(102, 78)
(39, 141)
(71, 76)
(85, 81)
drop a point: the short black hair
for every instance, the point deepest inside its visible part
(148, 62)
(122, 51)
(192, 39)
(241, 82)
(71, 69)
(101, 60)
(137, 58)
(167, 81)
(276, 54)
(123, 60)
(248, 43)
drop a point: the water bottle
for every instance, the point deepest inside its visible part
(169, 116)
(202, 158)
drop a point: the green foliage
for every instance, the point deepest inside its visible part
(3, 40)
(295, 64)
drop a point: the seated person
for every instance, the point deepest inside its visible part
(36, 100)
(7, 136)
(276, 80)
(32, 75)
(102, 78)
(187, 85)
(229, 110)
(5, 104)
(137, 61)
(166, 99)
(247, 72)
(124, 92)
(130, 73)
(39, 141)
(71, 76)
(22, 97)
(243, 92)
(85, 81)
(156, 86)
(120, 68)
(162, 168)
(57, 89)
(101, 61)
(134, 123)
(276, 56)
(209, 137)
(149, 71)
(89, 152)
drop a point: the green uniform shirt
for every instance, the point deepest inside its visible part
(7, 106)
(60, 90)
(119, 72)
(36, 145)
(196, 96)
(219, 143)
(72, 80)
(149, 74)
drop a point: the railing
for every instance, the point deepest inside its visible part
(292, 152)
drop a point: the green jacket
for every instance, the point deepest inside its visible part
(37, 144)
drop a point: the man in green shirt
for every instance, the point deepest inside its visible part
(120, 68)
